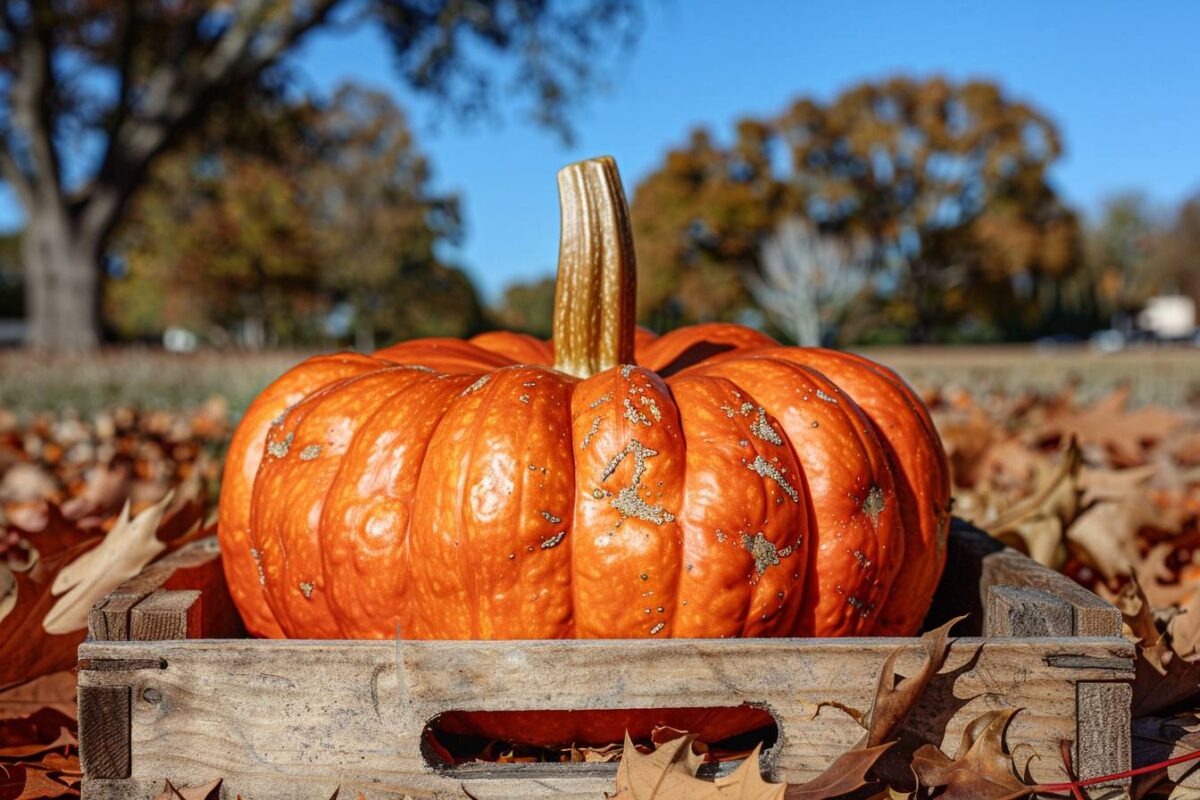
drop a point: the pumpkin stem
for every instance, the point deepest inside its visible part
(595, 298)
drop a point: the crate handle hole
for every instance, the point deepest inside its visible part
(546, 736)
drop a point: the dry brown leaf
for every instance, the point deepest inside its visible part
(848, 773)
(669, 773)
(1162, 679)
(125, 551)
(25, 649)
(894, 702)
(746, 782)
(1184, 629)
(1109, 424)
(981, 768)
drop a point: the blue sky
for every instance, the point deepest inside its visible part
(1122, 81)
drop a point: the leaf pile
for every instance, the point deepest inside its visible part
(1103, 492)
(39, 756)
(1109, 495)
(89, 466)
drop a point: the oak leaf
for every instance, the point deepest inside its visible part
(982, 768)
(1162, 677)
(669, 773)
(895, 701)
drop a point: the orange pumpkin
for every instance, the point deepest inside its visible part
(607, 484)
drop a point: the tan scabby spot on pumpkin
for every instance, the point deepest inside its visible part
(761, 428)
(422, 368)
(874, 504)
(859, 606)
(762, 550)
(627, 370)
(599, 401)
(279, 449)
(587, 439)
(310, 452)
(476, 386)
(262, 576)
(635, 416)
(627, 501)
(306, 589)
(768, 470)
(282, 416)
(524, 399)
(652, 405)
(862, 560)
(827, 398)
(657, 628)
(553, 540)
(553, 520)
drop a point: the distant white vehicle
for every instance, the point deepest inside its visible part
(1169, 317)
(179, 340)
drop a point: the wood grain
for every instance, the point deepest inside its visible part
(166, 615)
(282, 719)
(1024, 611)
(104, 731)
(1103, 743)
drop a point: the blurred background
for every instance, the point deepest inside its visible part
(196, 193)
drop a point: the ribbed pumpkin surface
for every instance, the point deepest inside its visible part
(722, 486)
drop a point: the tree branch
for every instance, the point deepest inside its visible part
(176, 96)
(32, 95)
(14, 176)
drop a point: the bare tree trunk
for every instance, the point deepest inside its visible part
(62, 285)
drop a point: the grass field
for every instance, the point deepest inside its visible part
(152, 378)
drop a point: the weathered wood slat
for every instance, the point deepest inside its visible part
(284, 719)
(166, 615)
(104, 731)
(976, 563)
(195, 566)
(1023, 611)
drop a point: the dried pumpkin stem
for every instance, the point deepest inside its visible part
(594, 303)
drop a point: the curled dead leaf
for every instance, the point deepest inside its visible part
(895, 701)
(982, 767)
(129, 546)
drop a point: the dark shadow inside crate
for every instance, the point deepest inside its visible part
(960, 590)
(448, 746)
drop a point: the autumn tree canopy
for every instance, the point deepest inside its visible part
(76, 154)
(948, 181)
(278, 222)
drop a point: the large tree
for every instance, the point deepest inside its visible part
(305, 214)
(947, 180)
(93, 92)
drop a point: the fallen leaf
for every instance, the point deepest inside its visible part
(895, 701)
(848, 773)
(1162, 677)
(1109, 423)
(982, 767)
(669, 773)
(124, 552)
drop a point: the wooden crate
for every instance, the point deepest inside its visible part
(161, 697)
